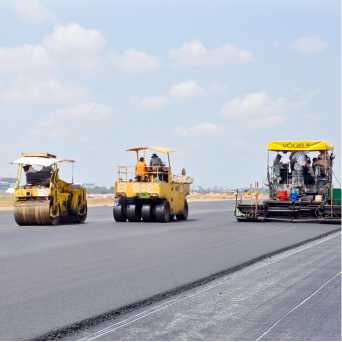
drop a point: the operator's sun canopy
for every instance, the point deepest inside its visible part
(306, 145)
(156, 148)
(40, 161)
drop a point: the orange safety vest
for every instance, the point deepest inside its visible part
(140, 168)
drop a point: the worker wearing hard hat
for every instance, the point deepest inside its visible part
(140, 169)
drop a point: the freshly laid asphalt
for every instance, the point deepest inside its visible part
(54, 277)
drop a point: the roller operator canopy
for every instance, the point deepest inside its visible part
(40, 161)
(156, 148)
(305, 145)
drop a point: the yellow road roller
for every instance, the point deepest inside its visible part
(149, 192)
(45, 199)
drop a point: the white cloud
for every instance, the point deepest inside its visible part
(82, 112)
(203, 128)
(218, 89)
(5, 146)
(152, 102)
(74, 39)
(26, 58)
(84, 62)
(237, 144)
(185, 90)
(253, 104)
(312, 93)
(93, 148)
(311, 117)
(55, 133)
(309, 44)
(32, 11)
(135, 61)
(188, 149)
(15, 116)
(196, 54)
(262, 122)
(74, 117)
(46, 90)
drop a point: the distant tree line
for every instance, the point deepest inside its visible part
(100, 190)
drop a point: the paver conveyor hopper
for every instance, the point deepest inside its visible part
(151, 194)
(300, 190)
(45, 199)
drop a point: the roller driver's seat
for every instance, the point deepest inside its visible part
(37, 177)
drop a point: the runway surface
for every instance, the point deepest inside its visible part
(294, 296)
(52, 277)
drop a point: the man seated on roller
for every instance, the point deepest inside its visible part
(156, 161)
(140, 170)
(29, 168)
(46, 169)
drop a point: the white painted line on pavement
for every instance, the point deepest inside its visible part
(297, 306)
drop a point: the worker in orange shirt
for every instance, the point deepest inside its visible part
(140, 169)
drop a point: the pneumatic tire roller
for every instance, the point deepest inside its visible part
(155, 195)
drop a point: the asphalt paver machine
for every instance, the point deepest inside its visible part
(45, 199)
(296, 195)
(156, 195)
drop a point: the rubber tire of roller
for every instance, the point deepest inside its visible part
(163, 212)
(119, 212)
(78, 218)
(147, 212)
(55, 220)
(82, 218)
(184, 216)
(134, 212)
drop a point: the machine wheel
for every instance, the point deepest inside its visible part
(184, 216)
(163, 211)
(83, 215)
(119, 212)
(76, 218)
(147, 213)
(54, 216)
(29, 213)
(172, 217)
(134, 212)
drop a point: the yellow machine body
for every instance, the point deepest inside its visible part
(174, 193)
(50, 201)
(156, 196)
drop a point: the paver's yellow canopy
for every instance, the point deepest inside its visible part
(300, 146)
(156, 148)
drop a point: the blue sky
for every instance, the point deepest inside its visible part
(213, 80)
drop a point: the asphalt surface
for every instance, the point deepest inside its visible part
(296, 296)
(53, 277)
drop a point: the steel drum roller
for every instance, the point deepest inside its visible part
(33, 213)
